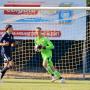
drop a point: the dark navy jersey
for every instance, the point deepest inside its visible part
(9, 38)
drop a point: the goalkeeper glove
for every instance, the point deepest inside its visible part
(41, 47)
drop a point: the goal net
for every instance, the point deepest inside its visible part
(67, 28)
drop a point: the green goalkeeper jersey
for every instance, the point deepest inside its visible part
(47, 43)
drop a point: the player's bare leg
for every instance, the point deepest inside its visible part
(3, 71)
(11, 64)
(7, 65)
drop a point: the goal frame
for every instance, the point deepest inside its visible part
(55, 8)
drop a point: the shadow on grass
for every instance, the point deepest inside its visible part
(31, 82)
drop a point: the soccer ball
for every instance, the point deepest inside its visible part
(62, 80)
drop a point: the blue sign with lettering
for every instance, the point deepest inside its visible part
(65, 16)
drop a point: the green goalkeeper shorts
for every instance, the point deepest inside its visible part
(49, 59)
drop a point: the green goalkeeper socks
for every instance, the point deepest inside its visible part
(57, 74)
(49, 70)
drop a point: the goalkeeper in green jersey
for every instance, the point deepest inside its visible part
(45, 46)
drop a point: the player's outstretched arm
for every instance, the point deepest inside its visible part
(4, 44)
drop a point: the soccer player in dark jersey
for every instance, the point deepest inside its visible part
(7, 43)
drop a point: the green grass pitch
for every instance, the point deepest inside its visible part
(32, 84)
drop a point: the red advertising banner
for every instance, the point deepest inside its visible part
(22, 12)
(32, 33)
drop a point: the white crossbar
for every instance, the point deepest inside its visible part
(45, 8)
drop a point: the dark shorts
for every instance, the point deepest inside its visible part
(6, 53)
(6, 56)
